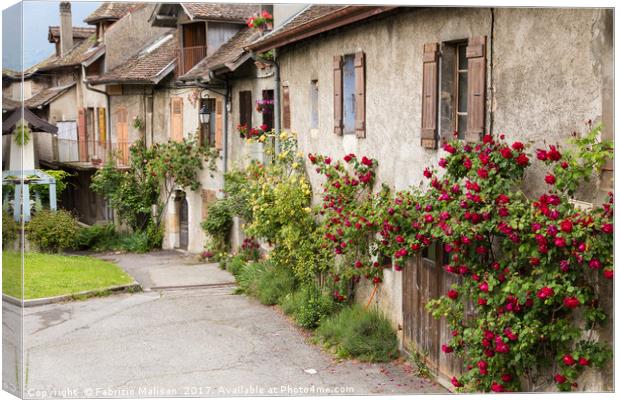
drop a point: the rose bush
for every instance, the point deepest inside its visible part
(528, 268)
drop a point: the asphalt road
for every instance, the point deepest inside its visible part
(203, 341)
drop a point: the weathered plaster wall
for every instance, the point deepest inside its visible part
(63, 108)
(544, 74)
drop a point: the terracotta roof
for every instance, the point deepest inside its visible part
(221, 12)
(78, 53)
(109, 11)
(226, 55)
(79, 32)
(153, 62)
(45, 96)
(313, 20)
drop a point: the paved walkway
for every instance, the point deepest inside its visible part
(187, 342)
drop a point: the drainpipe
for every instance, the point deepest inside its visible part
(276, 95)
(226, 95)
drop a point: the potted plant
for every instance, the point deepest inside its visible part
(243, 130)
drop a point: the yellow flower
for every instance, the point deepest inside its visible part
(307, 209)
(283, 136)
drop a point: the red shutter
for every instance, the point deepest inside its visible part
(360, 95)
(476, 88)
(82, 136)
(286, 108)
(429, 96)
(338, 95)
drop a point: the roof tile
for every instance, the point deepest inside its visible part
(110, 10)
(221, 12)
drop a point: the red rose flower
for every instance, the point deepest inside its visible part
(608, 228)
(550, 179)
(482, 301)
(506, 153)
(455, 382)
(506, 377)
(487, 139)
(571, 302)
(568, 360)
(448, 147)
(559, 378)
(484, 287)
(467, 163)
(522, 160)
(609, 273)
(427, 173)
(453, 294)
(518, 146)
(366, 161)
(594, 264)
(566, 226)
(446, 349)
(541, 155)
(496, 387)
(483, 173)
(583, 362)
(545, 293)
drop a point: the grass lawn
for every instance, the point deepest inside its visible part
(54, 275)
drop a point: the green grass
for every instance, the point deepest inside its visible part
(356, 332)
(54, 275)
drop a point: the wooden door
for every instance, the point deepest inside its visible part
(424, 279)
(121, 136)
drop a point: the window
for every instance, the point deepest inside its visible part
(266, 108)
(245, 108)
(350, 94)
(207, 131)
(457, 70)
(314, 104)
(176, 118)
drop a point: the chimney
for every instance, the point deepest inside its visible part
(66, 28)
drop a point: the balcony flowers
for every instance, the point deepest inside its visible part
(262, 21)
(253, 134)
(264, 106)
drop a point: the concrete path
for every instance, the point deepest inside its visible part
(187, 342)
(169, 269)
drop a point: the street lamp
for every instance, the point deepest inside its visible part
(204, 114)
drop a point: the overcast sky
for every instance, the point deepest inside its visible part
(37, 16)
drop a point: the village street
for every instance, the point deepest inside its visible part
(201, 341)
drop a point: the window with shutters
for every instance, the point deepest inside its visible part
(245, 108)
(350, 94)
(462, 87)
(267, 109)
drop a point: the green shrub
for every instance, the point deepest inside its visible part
(218, 224)
(10, 228)
(52, 230)
(291, 302)
(235, 265)
(359, 333)
(312, 307)
(274, 284)
(155, 235)
(96, 237)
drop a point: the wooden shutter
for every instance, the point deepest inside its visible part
(245, 108)
(218, 123)
(82, 138)
(338, 95)
(360, 95)
(476, 87)
(176, 118)
(429, 96)
(286, 108)
(102, 125)
(121, 136)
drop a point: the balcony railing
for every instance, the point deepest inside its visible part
(187, 57)
(85, 152)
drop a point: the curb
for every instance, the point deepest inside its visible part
(68, 297)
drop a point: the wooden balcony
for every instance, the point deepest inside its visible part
(187, 57)
(87, 154)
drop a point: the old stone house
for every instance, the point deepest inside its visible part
(394, 83)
